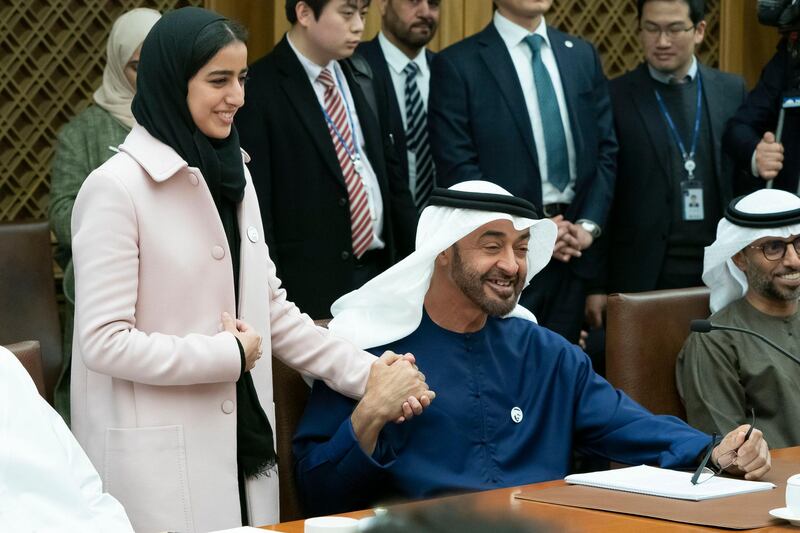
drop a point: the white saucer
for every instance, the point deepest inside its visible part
(785, 514)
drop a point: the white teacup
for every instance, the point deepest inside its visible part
(793, 494)
(341, 524)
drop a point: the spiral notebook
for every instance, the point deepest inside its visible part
(666, 483)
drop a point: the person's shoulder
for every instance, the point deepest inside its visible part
(12, 371)
(262, 70)
(530, 333)
(91, 121)
(463, 49)
(573, 43)
(721, 78)
(628, 78)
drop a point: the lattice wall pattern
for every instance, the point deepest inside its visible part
(612, 27)
(52, 54)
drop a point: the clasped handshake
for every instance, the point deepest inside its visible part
(396, 389)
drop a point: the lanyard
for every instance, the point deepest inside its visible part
(688, 158)
(352, 151)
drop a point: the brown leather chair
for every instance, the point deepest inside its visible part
(28, 308)
(30, 355)
(644, 334)
(290, 393)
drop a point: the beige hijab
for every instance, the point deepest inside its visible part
(127, 34)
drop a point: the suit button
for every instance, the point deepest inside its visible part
(342, 202)
(227, 407)
(345, 256)
(193, 179)
(217, 252)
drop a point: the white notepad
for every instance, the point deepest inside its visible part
(667, 483)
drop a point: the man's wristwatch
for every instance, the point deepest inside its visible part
(592, 228)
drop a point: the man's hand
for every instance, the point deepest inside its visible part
(595, 309)
(583, 237)
(751, 458)
(567, 245)
(393, 381)
(769, 156)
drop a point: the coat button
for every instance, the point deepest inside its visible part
(342, 202)
(227, 407)
(345, 256)
(252, 234)
(193, 179)
(217, 252)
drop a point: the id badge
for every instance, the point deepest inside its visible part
(692, 192)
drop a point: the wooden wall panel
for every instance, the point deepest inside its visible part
(52, 55)
(746, 46)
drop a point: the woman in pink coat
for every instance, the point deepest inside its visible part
(169, 397)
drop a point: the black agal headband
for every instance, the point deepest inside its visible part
(481, 201)
(760, 220)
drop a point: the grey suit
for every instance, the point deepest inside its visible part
(636, 239)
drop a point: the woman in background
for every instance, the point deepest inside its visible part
(85, 143)
(175, 291)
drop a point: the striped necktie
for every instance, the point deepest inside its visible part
(339, 128)
(555, 141)
(417, 137)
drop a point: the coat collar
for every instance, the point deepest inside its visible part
(159, 160)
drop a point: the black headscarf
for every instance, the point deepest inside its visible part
(160, 107)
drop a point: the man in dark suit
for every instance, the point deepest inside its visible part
(399, 62)
(750, 135)
(526, 106)
(333, 218)
(673, 181)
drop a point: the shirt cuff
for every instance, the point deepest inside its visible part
(753, 166)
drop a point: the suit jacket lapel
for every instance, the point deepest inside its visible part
(395, 101)
(303, 99)
(646, 106)
(498, 61)
(369, 129)
(716, 120)
(565, 60)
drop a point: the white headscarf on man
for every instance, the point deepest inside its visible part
(127, 34)
(389, 306)
(720, 274)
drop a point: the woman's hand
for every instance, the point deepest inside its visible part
(251, 341)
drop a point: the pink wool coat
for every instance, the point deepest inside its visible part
(153, 379)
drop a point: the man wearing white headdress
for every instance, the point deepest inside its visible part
(47, 482)
(515, 399)
(753, 271)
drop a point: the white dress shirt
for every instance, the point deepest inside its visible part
(514, 37)
(397, 61)
(368, 177)
(668, 79)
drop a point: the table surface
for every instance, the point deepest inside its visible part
(502, 502)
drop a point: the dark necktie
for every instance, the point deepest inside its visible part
(417, 137)
(555, 141)
(339, 128)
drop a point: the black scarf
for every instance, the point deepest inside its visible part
(160, 107)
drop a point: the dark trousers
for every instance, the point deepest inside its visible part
(557, 297)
